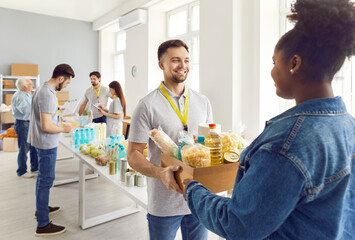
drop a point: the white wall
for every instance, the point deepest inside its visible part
(48, 41)
(106, 56)
(236, 46)
(216, 58)
(136, 54)
(156, 35)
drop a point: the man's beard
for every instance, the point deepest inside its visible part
(178, 80)
(94, 84)
(59, 87)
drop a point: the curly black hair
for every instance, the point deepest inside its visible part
(324, 35)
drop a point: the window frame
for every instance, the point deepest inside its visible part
(187, 37)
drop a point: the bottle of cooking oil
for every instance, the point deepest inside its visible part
(214, 142)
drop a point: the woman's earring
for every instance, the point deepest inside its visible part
(291, 70)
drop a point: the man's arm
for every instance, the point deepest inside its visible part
(48, 126)
(138, 162)
(82, 107)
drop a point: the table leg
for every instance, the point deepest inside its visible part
(81, 193)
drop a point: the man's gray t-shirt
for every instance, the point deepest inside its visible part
(44, 100)
(152, 112)
(112, 123)
(91, 97)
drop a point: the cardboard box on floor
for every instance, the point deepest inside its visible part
(20, 69)
(215, 178)
(10, 145)
(6, 117)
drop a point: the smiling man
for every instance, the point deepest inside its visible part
(167, 209)
(97, 94)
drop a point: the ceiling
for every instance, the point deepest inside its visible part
(85, 10)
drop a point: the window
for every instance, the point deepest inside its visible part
(119, 64)
(184, 24)
(343, 83)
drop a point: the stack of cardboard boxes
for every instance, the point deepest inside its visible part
(17, 69)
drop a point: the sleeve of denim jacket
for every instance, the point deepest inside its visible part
(261, 201)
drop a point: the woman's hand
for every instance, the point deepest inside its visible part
(186, 182)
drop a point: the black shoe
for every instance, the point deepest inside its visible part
(52, 210)
(49, 230)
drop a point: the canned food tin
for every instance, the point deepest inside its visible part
(123, 169)
(139, 180)
(231, 157)
(129, 179)
(112, 168)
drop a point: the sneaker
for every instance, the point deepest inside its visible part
(34, 172)
(52, 210)
(50, 230)
(27, 175)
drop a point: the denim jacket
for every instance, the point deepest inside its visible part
(295, 181)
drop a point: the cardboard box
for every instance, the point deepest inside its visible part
(6, 117)
(215, 178)
(10, 145)
(8, 84)
(19, 69)
(63, 96)
(8, 98)
(61, 103)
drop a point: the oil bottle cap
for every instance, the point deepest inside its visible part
(212, 125)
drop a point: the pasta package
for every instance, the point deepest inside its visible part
(164, 142)
(196, 155)
(230, 142)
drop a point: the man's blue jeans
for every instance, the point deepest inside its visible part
(21, 129)
(165, 228)
(46, 174)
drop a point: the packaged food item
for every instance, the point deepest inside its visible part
(164, 142)
(102, 160)
(232, 142)
(185, 138)
(196, 155)
(10, 133)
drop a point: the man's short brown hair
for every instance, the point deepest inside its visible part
(170, 44)
(95, 73)
(63, 70)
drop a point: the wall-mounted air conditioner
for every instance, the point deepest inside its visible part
(133, 18)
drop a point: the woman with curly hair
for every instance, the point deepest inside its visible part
(296, 180)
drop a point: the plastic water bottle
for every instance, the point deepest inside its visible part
(73, 140)
(77, 138)
(102, 131)
(123, 153)
(214, 142)
(87, 134)
(82, 137)
(92, 135)
(112, 140)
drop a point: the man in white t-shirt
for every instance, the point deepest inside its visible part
(167, 209)
(97, 94)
